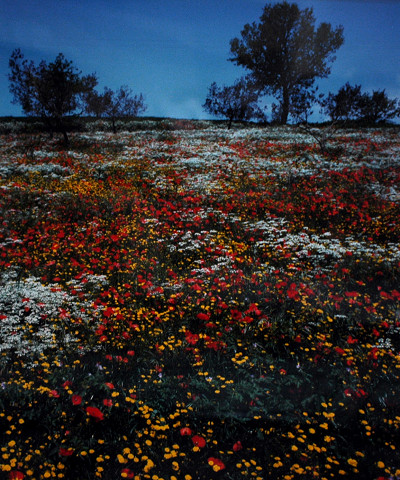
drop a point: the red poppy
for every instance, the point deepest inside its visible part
(95, 413)
(54, 394)
(352, 294)
(199, 441)
(107, 402)
(108, 312)
(76, 399)
(340, 351)
(203, 316)
(16, 475)
(127, 473)
(191, 338)
(237, 446)
(185, 431)
(110, 385)
(65, 452)
(216, 463)
(351, 340)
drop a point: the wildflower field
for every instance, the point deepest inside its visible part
(201, 304)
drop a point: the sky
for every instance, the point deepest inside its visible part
(172, 50)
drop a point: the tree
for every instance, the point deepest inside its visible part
(303, 101)
(113, 105)
(378, 107)
(285, 53)
(236, 103)
(50, 91)
(344, 105)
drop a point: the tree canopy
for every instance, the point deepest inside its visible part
(50, 91)
(285, 52)
(236, 102)
(115, 104)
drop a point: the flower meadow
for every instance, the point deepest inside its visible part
(200, 304)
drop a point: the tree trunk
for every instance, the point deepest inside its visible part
(285, 106)
(50, 128)
(66, 139)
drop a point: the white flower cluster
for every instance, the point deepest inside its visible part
(35, 318)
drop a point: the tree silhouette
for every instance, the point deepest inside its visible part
(113, 105)
(285, 53)
(345, 104)
(378, 107)
(236, 103)
(49, 91)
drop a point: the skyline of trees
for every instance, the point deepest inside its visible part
(283, 54)
(112, 104)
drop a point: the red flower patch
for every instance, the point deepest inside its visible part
(199, 441)
(95, 413)
(65, 452)
(76, 399)
(216, 464)
(16, 475)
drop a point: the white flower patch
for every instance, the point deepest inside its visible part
(318, 248)
(35, 318)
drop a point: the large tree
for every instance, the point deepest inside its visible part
(115, 104)
(50, 91)
(236, 102)
(285, 52)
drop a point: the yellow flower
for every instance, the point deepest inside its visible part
(352, 462)
(381, 464)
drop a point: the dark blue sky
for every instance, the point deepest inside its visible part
(172, 50)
